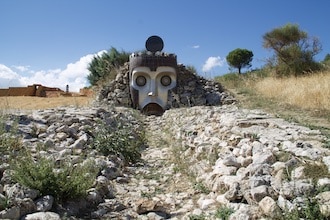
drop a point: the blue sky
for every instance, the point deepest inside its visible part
(52, 41)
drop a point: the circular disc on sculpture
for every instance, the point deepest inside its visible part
(154, 44)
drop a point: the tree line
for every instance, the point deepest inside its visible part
(293, 54)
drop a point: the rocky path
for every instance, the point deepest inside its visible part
(155, 189)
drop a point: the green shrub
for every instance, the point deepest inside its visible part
(105, 66)
(4, 202)
(200, 187)
(196, 217)
(64, 182)
(326, 144)
(122, 140)
(9, 140)
(310, 210)
(224, 212)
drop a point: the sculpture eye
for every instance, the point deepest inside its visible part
(166, 80)
(141, 80)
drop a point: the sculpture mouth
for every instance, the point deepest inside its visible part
(153, 109)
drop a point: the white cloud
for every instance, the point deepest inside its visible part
(213, 62)
(74, 75)
(195, 46)
(8, 77)
(22, 68)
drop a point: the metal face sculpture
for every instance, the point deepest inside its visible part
(152, 75)
(153, 86)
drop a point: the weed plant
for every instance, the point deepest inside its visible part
(64, 182)
(310, 210)
(197, 217)
(326, 144)
(121, 139)
(4, 202)
(224, 212)
(200, 187)
(9, 141)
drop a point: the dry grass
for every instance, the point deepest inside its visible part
(308, 92)
(304, 100)
(34, 103)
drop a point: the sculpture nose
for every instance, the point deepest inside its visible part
(153, 89)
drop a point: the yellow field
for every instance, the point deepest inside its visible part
(308, 92)
(33, 103)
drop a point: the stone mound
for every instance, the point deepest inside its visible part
(191, 90)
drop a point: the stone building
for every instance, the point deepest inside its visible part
(31, 90)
